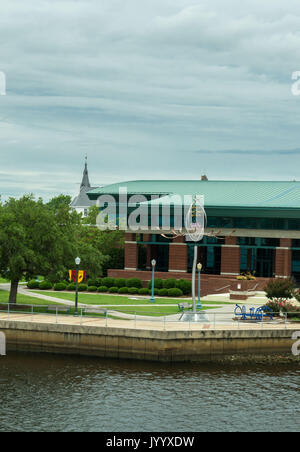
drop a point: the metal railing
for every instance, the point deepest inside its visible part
(154, 318)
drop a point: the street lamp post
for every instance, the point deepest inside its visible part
(153, 262)
(199, 267)
(77, 262)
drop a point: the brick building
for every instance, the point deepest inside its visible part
(251, 227)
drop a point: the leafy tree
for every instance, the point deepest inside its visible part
(60, 202)
(109, 243)
(34, 240)
(91, 217)
(280, 289)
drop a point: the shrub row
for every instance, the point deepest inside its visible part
(112, 285)
(182, 284)
(174, 292)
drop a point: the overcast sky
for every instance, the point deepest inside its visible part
(149, 89)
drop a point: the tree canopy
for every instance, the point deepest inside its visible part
(39, 238)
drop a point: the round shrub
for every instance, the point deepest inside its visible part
(133, 290)
(113, 290)
(120, 282)
(82, 287)
(169, 284)
(109, 282)
(92, 288)
(60, 286)
(163, 292)
(185, 285)
(103, 289)
(123, 290)
(92, 282)
(33, 284)
(158, 283)
(175, 292)
(45, 285)
(134, 282)
(144, 291)
(71, 287)
(156, 291)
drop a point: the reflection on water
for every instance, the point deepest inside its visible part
(59, 393)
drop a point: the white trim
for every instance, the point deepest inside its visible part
(130, 243)
(230, 246)
(130, 269)
(177, 271)
(230, 274)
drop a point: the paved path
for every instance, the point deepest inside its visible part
(218, 314)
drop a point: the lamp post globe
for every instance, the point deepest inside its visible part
(153, 262)
(77, 262)
(199, 267)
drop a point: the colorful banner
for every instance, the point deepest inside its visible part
(81, 275)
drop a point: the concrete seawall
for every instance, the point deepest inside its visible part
(140, 344)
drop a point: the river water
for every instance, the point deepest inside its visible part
(58, 393)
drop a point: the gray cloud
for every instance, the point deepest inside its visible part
(139, 85)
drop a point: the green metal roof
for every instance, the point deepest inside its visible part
(217, 194)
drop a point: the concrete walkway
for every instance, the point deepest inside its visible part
(219, 314)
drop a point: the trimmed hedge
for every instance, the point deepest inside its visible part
(134, 282)
(185, 285)
(45, 285)
(158, 283)
(144, 291)
(33, 284)
(60, 286)
(71, 287)
(169, 283)
(175, 292)
(82, 287)
(113, 290)
(120, 282)
(108, 282)
(92, 288)
(133, 290)
(163, 292)
(123, 290)
(92, 282)
(103, 289)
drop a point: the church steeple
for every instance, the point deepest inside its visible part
(85, 179)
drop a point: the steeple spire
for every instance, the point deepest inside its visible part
(85, 179)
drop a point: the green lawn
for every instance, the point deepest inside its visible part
(153, 311)
(24, 299)
(103, 299)
(141, 307)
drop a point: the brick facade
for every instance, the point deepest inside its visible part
(283, 259)
(131, 252)
(178, 256)
(230, 257)
(210, 284)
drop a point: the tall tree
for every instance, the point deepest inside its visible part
(35, 239)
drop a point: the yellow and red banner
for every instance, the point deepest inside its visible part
(81, 275)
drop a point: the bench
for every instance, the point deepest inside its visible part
(183, 306)
(59, 309)
(94, 311)
(254, 314)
